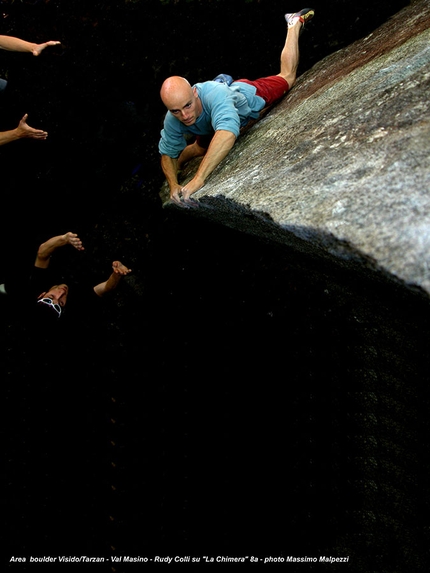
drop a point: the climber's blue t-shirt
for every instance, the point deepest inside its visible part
(223, 107)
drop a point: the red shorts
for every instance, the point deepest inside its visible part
(270, 88)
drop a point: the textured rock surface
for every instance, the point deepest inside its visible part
(340, 168)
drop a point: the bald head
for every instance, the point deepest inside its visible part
(181, 99)
(173, 89)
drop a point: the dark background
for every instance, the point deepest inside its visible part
(232, 397)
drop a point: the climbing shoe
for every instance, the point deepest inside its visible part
(303, 16)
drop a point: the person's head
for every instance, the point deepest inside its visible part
(54, 299)
(181, 99)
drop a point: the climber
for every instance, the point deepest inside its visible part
(215, 113)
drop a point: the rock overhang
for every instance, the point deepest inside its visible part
(340, 168)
